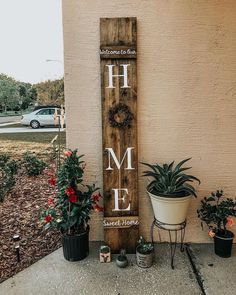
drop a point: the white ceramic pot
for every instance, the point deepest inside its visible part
(171, 211)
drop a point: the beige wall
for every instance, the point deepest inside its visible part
(186, 90)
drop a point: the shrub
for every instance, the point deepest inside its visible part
(217, 212)
(8, 170)
(32, 164)
(71, 209)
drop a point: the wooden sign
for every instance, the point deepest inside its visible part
(118, 52)
(120, 222)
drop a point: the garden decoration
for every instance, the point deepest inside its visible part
(16, 240)
(105, 254)
(120, 111)
(70, 209)
(122, 260)
(217, 212)
(118, 63)
(144, 253)
(170, 193)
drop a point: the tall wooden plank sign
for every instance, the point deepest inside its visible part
(118, 51)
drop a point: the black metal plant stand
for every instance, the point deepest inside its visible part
(172, 242)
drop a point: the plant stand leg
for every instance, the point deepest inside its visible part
(182, 235)
(152, 230)
(173, 240)
(173, 245)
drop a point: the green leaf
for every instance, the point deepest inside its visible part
(180, 164)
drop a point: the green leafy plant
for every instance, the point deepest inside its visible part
(3, 160)
(169, 180)
(105, 249)
(217, 212)
(74, 200)
(122, 256)
(8, 170)
(32, 164)
(144, 247)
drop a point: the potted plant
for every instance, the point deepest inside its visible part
(122, 260)
(170, 192)
(217, 213)
(105, 254)
(144, 253)
(70, 209)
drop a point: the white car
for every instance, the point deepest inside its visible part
(40, 117)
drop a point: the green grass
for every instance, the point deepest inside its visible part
(40, 137)
(9, 114)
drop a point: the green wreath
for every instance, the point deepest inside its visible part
(123, 110)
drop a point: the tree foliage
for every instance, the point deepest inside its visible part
(9, 93)
(50, 92)
(16, 95)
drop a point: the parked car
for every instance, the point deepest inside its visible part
(40, 118)
(36, 108)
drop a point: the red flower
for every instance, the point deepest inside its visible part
(96, 197)
(68, 153)
(98, 208)
(70, 191)
(230, 221)
(73, 198)
(51, 201)
(52, 181)
(48, 218)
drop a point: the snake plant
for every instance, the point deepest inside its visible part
(169, 180)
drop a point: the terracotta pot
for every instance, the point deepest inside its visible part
(170, 211)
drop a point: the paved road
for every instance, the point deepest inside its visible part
(27, 129)
(9, 119)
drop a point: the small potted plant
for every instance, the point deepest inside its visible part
(122, 260)
(144, 253)
(217, 212)
(105, 254)
(70, 209)
(170, 192)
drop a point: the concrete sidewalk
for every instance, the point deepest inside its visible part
(55, 276)
(218, 275)
(9, 124)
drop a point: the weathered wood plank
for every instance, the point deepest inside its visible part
(118, 52)
(119, 33)
(120, 222)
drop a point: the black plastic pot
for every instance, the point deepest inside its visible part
(76, 247)
(223, 245)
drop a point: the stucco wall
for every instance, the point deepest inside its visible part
(186, 91)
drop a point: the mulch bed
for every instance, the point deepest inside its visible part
(20, 214)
